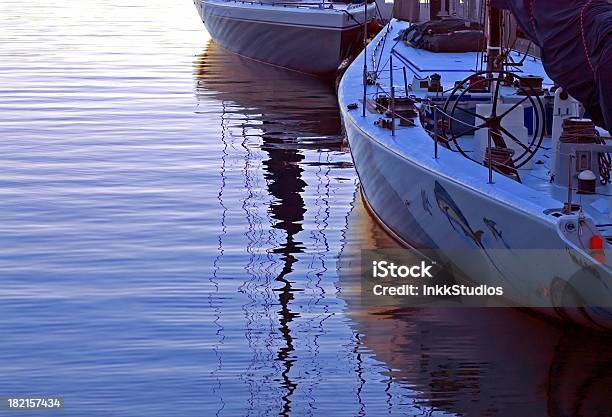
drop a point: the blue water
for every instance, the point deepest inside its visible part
(179, 236)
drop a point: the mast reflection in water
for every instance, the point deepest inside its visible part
(288, 128)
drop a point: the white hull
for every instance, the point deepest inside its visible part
(402, 183)
(307, 39)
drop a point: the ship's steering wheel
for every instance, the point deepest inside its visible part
(491, 82)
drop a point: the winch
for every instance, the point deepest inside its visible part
(581, 154)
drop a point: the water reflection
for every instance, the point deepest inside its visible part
(477, 362)
(167, 255)
(162, 254)
(287, 112)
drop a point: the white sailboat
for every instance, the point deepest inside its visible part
(312, 37)
(476, 155)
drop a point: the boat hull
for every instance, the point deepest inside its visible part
(288, 37)
(404, 196)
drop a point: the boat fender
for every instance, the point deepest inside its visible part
(596, 247)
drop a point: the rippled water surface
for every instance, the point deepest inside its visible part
(179, 236)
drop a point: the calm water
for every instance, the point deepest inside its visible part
(180, 233)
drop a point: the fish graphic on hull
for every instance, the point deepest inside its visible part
(460, 224)
(455, 216)
(426, 203)
(497, 234)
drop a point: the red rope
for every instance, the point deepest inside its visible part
(531, 16)
(582, 33)
(532, 20)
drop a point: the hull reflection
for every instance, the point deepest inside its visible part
(291, 110)
(477, 361)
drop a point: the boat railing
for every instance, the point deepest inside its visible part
(282, 4)
(300, 4)
(379, 46)
(438, 137)
(440, 116)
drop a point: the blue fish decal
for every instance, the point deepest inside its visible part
(455, 216)
(426, 203)
(497, 234)
(459, 222)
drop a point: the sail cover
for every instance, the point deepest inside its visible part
(576, 41)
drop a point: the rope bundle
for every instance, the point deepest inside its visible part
(583, 131)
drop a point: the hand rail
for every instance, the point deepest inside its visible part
(300, 4)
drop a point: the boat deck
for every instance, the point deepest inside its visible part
(536, 193)
(325, 6)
